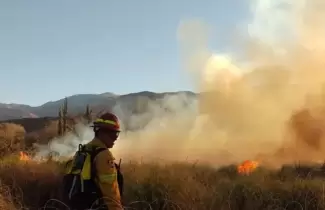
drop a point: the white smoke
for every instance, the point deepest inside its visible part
(275, 21)
(66, 145)
(179, 108)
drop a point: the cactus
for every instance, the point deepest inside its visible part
(65, 112)
(60, 123)
(88, 114)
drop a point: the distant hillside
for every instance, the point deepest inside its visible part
(125, 105)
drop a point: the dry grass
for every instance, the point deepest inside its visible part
(11, 138)
(174, 186)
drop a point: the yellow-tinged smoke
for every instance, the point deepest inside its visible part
(245, 109)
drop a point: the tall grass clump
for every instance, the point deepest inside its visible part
(31, 185)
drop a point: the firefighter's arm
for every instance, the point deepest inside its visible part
(107, 180)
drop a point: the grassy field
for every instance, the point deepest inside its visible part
(29, 185)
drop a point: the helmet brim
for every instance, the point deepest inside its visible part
(109, 128)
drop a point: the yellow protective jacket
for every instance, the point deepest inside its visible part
(106, 178)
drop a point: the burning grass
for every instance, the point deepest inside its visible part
(31, 185)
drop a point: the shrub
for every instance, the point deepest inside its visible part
(11, 138)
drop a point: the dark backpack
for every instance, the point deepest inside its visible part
(79, 188)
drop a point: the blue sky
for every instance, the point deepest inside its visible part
(53, 49)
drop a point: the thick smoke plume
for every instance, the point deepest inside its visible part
(267, 106)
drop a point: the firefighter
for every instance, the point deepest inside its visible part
(107, 129)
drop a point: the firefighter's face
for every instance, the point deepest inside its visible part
(109, 137)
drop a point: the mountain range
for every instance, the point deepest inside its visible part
(264, 78)
(132, 102)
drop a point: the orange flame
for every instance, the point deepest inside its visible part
(247, 167)
(24, 156)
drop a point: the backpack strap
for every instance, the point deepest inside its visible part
(93, 153)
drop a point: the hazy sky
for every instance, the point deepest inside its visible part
(52, 49)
